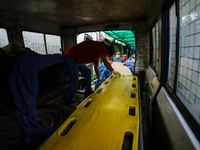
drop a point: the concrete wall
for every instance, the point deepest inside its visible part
(142, 51)
(142, 46)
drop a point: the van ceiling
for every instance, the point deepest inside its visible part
(77, 12)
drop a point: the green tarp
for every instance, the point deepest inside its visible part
(125, 36)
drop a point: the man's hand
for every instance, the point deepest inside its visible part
(100, 80)
(116, 73)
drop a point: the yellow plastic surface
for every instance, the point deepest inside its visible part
(104, 123)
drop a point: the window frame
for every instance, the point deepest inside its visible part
(44, 35)
(151, 47)
(193, 124)
(177, 46)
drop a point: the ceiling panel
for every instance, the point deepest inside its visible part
(77, 12)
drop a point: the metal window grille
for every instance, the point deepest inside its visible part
(188, 83)
(53, 43)
(3, 37)
(34, 41)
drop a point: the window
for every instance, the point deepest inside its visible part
(188, 82)
(34, 41)
(96, 36)
(42, 43)
(3, 37)
(53, 43)
(155, 41)
(172, 46)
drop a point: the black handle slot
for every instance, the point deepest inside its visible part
(68, 128)
(99, 91)
(106, 82)
(88, 103)
(132, 111)
(133, 85)
(128, 141)
(133, 95)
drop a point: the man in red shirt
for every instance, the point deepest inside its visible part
(83, 53)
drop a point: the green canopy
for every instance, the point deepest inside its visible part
(125, 36)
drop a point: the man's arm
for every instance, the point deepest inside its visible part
(108, 66)
(96, 68)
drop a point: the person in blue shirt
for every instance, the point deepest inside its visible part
(132, 57)
(104, 73)
(128, 62)
(118, 57)
(130, 65)
(124, 58)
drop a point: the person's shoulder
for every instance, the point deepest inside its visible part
(129, 61)
(115, 59)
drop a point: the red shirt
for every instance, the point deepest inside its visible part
(87, 52)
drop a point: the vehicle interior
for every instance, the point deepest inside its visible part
(169, 119)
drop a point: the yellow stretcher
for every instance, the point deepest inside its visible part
(108, 119)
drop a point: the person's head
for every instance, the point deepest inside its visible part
(133, 55)
(124, 57)
(110, 60)
(118, 55)
(109, 50)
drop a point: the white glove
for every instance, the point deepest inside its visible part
(100, 80)
(116, 73)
